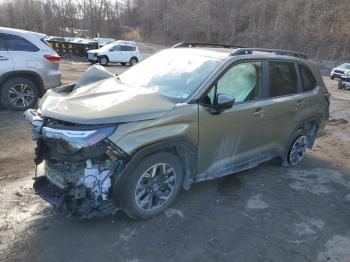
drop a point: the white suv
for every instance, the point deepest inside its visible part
(340, 71)
(124, 52)
(28, 66)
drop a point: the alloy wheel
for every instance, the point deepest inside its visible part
(104, 61)
(297, 151)
(21, 95)
(133, 61)
(155, 187)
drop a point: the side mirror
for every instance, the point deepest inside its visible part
(224, 101)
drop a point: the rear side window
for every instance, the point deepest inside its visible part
(128, 48)
(2, 43)
(17, 43)
(309, 81)
(283, 79)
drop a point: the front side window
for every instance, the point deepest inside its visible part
(116, 48)
(242, 82)
(283, 79)
(174, 73)
(307, 78)
(17, 43)
(2, 43)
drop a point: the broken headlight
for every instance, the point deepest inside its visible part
(72, 139)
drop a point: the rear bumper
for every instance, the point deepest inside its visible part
(53, 79)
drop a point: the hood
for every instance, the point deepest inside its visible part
(345, 70)
(104, 102)
(94, 51)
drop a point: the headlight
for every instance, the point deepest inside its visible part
(78, 137)
(347, 73)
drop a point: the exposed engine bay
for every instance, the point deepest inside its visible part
(79, 164)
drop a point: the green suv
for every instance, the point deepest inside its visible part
(187, 114)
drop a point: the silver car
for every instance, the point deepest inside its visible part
(28, 67)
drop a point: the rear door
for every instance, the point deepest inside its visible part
(6, 64)
(24, 54)
(283, 103)
(127, 52)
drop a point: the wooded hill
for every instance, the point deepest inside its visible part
(320, 28)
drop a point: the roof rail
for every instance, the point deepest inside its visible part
(248, 51)
(199, 44)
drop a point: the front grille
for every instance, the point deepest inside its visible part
(338, 72)
(92, 56)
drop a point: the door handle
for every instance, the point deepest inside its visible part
(3, 58)
(259, 112)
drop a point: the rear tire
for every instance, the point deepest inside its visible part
(19, 93)
(133, 61)
(296, 149)
(144, 195)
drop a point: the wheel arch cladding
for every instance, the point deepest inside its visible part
(181, 147)
(33, 76)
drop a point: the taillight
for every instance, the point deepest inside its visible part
(53, 58)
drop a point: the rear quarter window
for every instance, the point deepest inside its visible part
(17, 43)
(282, 79)
(308, 79)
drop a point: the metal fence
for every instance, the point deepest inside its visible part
(67, 49)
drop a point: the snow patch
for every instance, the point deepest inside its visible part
(337, 250)
(317, 181)
(309, 227)
(172, 211)
(256, 202)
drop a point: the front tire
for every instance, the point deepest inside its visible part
(103, 60)
(19, 94)
(152, 186)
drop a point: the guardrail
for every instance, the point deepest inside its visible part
(67, 49)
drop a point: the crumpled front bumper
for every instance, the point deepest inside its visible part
(49, 192)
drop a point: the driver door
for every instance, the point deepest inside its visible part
(232, 139)
(115, 54)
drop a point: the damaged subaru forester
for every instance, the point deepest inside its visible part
(187, 114)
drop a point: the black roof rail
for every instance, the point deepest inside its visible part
(200, 44)
(248, 51)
